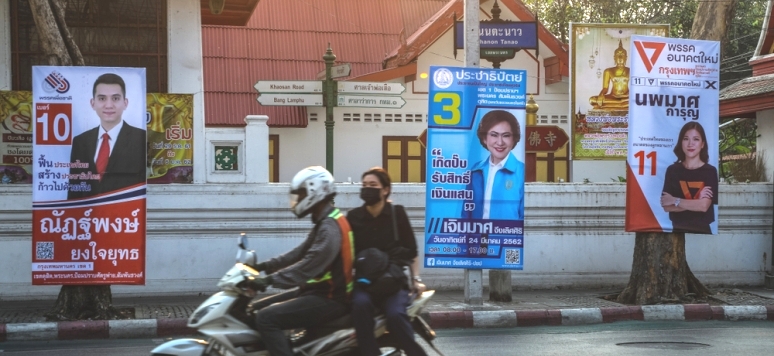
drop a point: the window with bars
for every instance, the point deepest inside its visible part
(404, 158)
(109, 33)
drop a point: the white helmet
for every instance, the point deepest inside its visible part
(310, 186)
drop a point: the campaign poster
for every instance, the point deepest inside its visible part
(672, 175)
(170, 138)
(599, 83)
(15, 137)
(475, 170)
(89, 175)
(169, 126)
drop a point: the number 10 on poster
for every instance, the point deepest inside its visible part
(53, 124)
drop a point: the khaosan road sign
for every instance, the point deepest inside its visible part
(371, 101)
(545, 138)
(289, 86)
(290, 99)
(337, 71)
(371, 88)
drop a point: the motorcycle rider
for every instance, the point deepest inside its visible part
(321, 267)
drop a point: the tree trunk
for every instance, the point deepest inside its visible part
(712, 19)
(83, 303)
(660, 273)
(55, 38)
(73, 302)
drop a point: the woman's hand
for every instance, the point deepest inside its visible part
(705, 192)
(667, 199)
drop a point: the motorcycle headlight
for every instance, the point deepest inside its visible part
(201, 313)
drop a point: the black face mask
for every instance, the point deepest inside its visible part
(370, 195)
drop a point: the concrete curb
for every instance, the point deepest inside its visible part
(95, 329)
(586, 316)
(149, 328)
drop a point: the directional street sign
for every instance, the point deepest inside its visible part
(289, 86)
(339, 71)
(291, 99)
(371, 88)
(545, 138)
(372, 101)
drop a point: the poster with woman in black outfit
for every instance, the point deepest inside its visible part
(690, 193)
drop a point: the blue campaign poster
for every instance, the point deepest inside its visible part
(475, 168)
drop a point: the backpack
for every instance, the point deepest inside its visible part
(379, 276)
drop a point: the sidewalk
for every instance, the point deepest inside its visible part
(167, 316)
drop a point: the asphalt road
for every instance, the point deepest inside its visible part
(621, 338)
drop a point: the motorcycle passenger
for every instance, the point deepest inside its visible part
(372, 225)
(321, 267)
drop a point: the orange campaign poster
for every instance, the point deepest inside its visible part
(89, 175)
(672, 176)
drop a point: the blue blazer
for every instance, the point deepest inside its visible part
(507, 201)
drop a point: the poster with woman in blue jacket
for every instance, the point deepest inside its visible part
(497, 181)
(475, 168)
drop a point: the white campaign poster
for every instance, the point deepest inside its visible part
(89, 175)
(672, 175)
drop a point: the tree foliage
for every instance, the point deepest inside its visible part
(742, 34)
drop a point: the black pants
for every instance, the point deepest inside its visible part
(290, 310)
(398, 323)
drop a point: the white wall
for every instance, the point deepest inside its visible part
(5, 45)
(597, 171)
(765, 122)
(185, 69)
(574, 236)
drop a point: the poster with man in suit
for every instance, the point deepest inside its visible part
(89, 175)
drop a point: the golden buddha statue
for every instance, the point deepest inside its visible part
(618, 98)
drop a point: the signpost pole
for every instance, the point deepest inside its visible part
(474, 284)
(329, 91)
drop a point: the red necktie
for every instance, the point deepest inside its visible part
(104, 154)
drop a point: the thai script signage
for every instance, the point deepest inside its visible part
(371, 88)
(371, 101)
(500, 35)
(672, 179)
(600, 87)
(475, 169)
(89, 175)
(15, 137)
(170, 138)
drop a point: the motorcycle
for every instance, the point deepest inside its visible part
(224, 321)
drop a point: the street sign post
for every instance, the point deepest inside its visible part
(289, 86)
(371, 101)
(279, 99)
(338, 71)
(371, 88)
(545, 138)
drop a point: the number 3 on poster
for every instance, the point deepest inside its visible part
(53, 124)
(450, 105)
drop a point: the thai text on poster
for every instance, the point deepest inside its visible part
(475, 168)
(672, 176)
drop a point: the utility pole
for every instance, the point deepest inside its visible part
(474, 284)
(329, 91)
